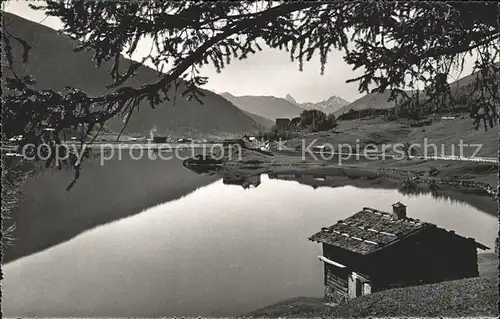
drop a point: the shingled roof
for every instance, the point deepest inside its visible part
(368, 230)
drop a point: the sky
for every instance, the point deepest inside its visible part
(268, 72)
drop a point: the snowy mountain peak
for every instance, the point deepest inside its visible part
(330, 105)
(290, 99)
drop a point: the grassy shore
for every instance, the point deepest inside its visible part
(458, 298)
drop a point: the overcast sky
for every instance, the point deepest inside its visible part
(268, 72)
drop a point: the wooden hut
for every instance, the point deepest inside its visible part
(233, 141)
(282, 122)
(159, 139)
(294, 122)
(374, 250)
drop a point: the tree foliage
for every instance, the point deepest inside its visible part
(330, 122)
(317, 120)
(396, 44)
(14, 175)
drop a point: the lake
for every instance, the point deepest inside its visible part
(220, 250)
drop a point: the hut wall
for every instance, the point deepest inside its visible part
(342, 256)
(282, 122)
(428, 257)
(337, 280)
(336, 285)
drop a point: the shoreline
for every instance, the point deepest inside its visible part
(466, 178)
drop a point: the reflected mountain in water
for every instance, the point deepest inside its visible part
(332, 180)
(47, 215)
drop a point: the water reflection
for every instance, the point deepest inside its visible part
(219, 251)
(48, 215)
(249, 176)
(242, 180)
(244, 176)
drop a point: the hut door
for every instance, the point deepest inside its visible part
(359, 286)
(355, 286)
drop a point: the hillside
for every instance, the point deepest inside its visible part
(54, 65)
(330, 105)
(474, 297)
(270, 107)
(377, 131)
(466, 297)
(262, 121)
(459, 88)
(372, 100)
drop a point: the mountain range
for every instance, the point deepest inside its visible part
(330, 105)
(378, 100)
(272, 107)
(54, 65)
(373, 100)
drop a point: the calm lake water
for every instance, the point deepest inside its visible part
(219, 251)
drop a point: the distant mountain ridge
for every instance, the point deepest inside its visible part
(54, 65)
(373, 100)
(377, 100)
(330, 105)
(290, 99)
(269, 107)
